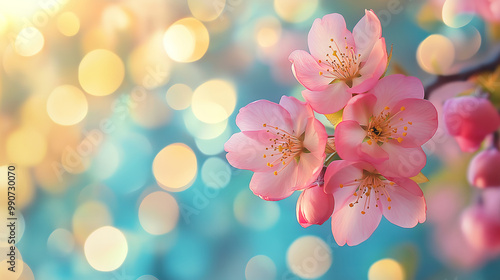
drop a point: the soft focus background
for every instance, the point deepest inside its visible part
(115, 114)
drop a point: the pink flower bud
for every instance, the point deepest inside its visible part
(314, 206)
(483, 169)
(470, 119)
(481, 223)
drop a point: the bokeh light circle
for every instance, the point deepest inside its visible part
(386, 269)
(186, 40)
(206, 10)
(202, 130)
(436, 54)
(151, 112)
(260, 268)
(255, 213)
(67, 105)
(452, 16)
(295, 10)
(68, 24)
(309, 257)
(61, 241)
(106, 248)
(175, 167)
(215, 173)
(29, 41)
(26, 146)
(179, 96)
(214, 101)
(158, 213)
(267, 31)
(101, 72)
(88, 217)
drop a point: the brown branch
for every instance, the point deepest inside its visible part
(444, 79)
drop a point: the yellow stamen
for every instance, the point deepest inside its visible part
(404, 133)
(275, 172)
(403, 108)
(341, 185)
(400, 139)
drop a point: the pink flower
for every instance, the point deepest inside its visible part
(483, 169)
(488, 9)
(340, 63)
(282, 143)
(481, 222)
(362, 195)
(470, 119)
(314, 206)
(387, 127)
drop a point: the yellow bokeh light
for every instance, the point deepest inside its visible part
(29, 41)
(26, 146)
(148, 64)
(158, 213)
(186, 40)
(61, 241)
(27, 273)
(467, 42)
(386, 269)
(68, 24)
(260, 268)
(309, 257)
(179, 96)
(203, 130)
(5, 273)
(67, 105)
(151, 112)
(34, 113)
(101, 72)
(115, 17)
(175, 167)
(205, 10)
(106, 248)
(452, 16)
(214, 101)
(267, 31)
(295, 10)
(88, 217)
(436, 54)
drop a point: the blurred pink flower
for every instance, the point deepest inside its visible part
(487, 9)
(470, 119)
(387, 127)
(314, 206)
(340, 63)
(483, 169)
(282, 143)
(362, 195)
(480, 223)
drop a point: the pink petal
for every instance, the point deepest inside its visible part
(402, 162)
(331, 26)
(351, 227)
(245, 151)
(315, 137)
(349, 137)
(307, 71)
(299, 111)
(268, 186)
(309, 167)
(423, 118)
(372, 69)
(409, 185)
(314, 206)
(342, 173)
(366, 32)
(406, 209)
(360, 108)
(330, 100)
(256, 114)
(394, 88)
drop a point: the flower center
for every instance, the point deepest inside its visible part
(283, 147)
(370, 186)
(341, 64)
(386, 126)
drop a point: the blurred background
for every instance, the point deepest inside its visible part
(115, 113)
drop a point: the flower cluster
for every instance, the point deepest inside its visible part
(364, 170)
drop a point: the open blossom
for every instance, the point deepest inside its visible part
(363, 195)
(314, 206)
(483, 169)
(282, 143)
(340, 63)
(387, 127)
(470, 119)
